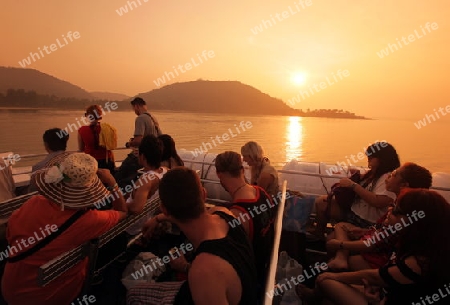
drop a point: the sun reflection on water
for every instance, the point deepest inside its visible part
(294, 139)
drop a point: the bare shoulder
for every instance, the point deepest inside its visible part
(213, 280)
(220, 209)
(209, 266)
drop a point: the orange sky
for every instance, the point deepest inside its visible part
(127, 53)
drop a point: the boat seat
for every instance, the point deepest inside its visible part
(57, 266)
(9, 206)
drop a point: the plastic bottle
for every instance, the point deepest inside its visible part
(293, 269)
(281, 266)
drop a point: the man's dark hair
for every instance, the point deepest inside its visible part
(229, 162)
(180, 191)
(416, 176)
(151, 147)
(56, 139)
(138, 101)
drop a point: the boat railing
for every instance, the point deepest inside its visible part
(20, 173)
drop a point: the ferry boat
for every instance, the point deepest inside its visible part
(308, 178)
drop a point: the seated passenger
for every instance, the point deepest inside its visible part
(374, 254)
(146, 187)
(252, 207)
(69, 191)
(372, 199)
(170, 157)
(263, 174)
(223, 270)
(55, 143)
(421, 266)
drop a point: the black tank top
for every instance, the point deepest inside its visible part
(260, 212)
(235, 249)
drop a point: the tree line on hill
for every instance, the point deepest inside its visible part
(20, 98)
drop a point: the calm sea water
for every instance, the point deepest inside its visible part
(283, 138)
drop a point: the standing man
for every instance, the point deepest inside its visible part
(144, 125)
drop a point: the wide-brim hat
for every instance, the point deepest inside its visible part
(73, 183)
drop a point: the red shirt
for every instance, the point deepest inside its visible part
(19, 282)
(91, 144)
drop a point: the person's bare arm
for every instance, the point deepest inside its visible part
(372, 275)
(377, 201)
(136, 141)
(354, 278)
(143, 192)
(80, 143)
(264, 180)
(352, 245)
(118, 203)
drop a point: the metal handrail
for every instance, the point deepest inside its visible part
(280, 171)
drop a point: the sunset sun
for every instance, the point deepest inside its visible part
(298, 78)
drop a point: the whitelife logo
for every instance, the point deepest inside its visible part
(411, 38)
(167, 76)
(53, 47)
(225, 137)
(173, 255)
(361, 156)
(423, 123)
(323, 85)
(379, 236)
(31, 240)
(265, 24)
(86, 119)
(124, 9)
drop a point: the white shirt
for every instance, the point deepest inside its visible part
(365, 210)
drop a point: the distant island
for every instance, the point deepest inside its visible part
(28, 88)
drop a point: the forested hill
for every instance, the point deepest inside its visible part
(41, 83)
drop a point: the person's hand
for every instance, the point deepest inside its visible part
(345, 182)
(333, 244)
(372, 293)
(106, 177)
(327, 276)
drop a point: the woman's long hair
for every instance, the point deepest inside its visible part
(256, 153)
(169, 150)
(426, 238)
(388, 159)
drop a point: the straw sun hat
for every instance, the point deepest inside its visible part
(73, 183)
